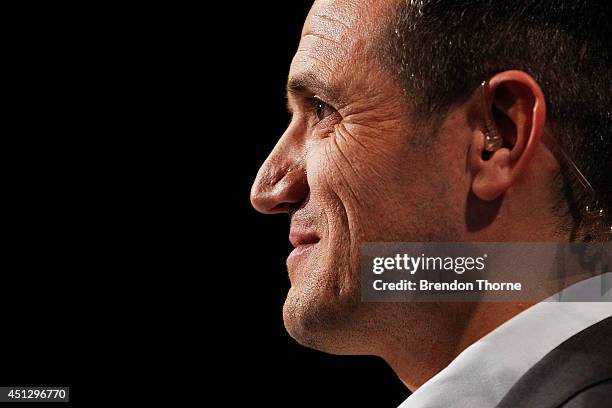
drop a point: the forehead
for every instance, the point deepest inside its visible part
(337, 38)
(333, 20)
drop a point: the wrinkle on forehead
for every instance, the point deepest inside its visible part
(330, 32)
(328, 17)
(345, 23)
(336, 43)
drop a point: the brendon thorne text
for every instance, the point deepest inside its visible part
(454, 286)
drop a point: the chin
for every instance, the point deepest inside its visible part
(318, 315)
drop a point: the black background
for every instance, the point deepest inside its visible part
(267, 366)
(135, 266)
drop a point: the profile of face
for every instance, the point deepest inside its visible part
(347, 170)
(354, 166)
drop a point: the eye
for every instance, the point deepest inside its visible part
(322, 109)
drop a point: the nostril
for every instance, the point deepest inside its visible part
(268, 202)
(277, 189)
(265, 198)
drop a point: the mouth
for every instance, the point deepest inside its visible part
(302, 241)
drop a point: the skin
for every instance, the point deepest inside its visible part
(358, 168)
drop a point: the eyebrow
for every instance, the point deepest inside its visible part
(308, 82)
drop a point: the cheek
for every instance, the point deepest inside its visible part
(351, 181)
(332, 184)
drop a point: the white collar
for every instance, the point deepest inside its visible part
(484, 372)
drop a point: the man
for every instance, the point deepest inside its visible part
(389, 141)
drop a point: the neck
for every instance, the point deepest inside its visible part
(458, 326)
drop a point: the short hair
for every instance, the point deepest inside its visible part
(441, 50)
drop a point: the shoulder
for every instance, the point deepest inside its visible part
(578, 369)
(594, 396)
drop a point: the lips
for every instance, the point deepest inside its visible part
(303, 238)
(303, 241)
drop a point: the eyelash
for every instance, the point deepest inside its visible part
(321, 109)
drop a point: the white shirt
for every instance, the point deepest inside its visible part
(484, 372)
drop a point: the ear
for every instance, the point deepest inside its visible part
(517, 109)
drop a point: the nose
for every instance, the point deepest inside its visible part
(281, 182)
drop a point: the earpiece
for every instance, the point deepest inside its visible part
(493, 140)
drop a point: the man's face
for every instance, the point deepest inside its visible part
(349, 168)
